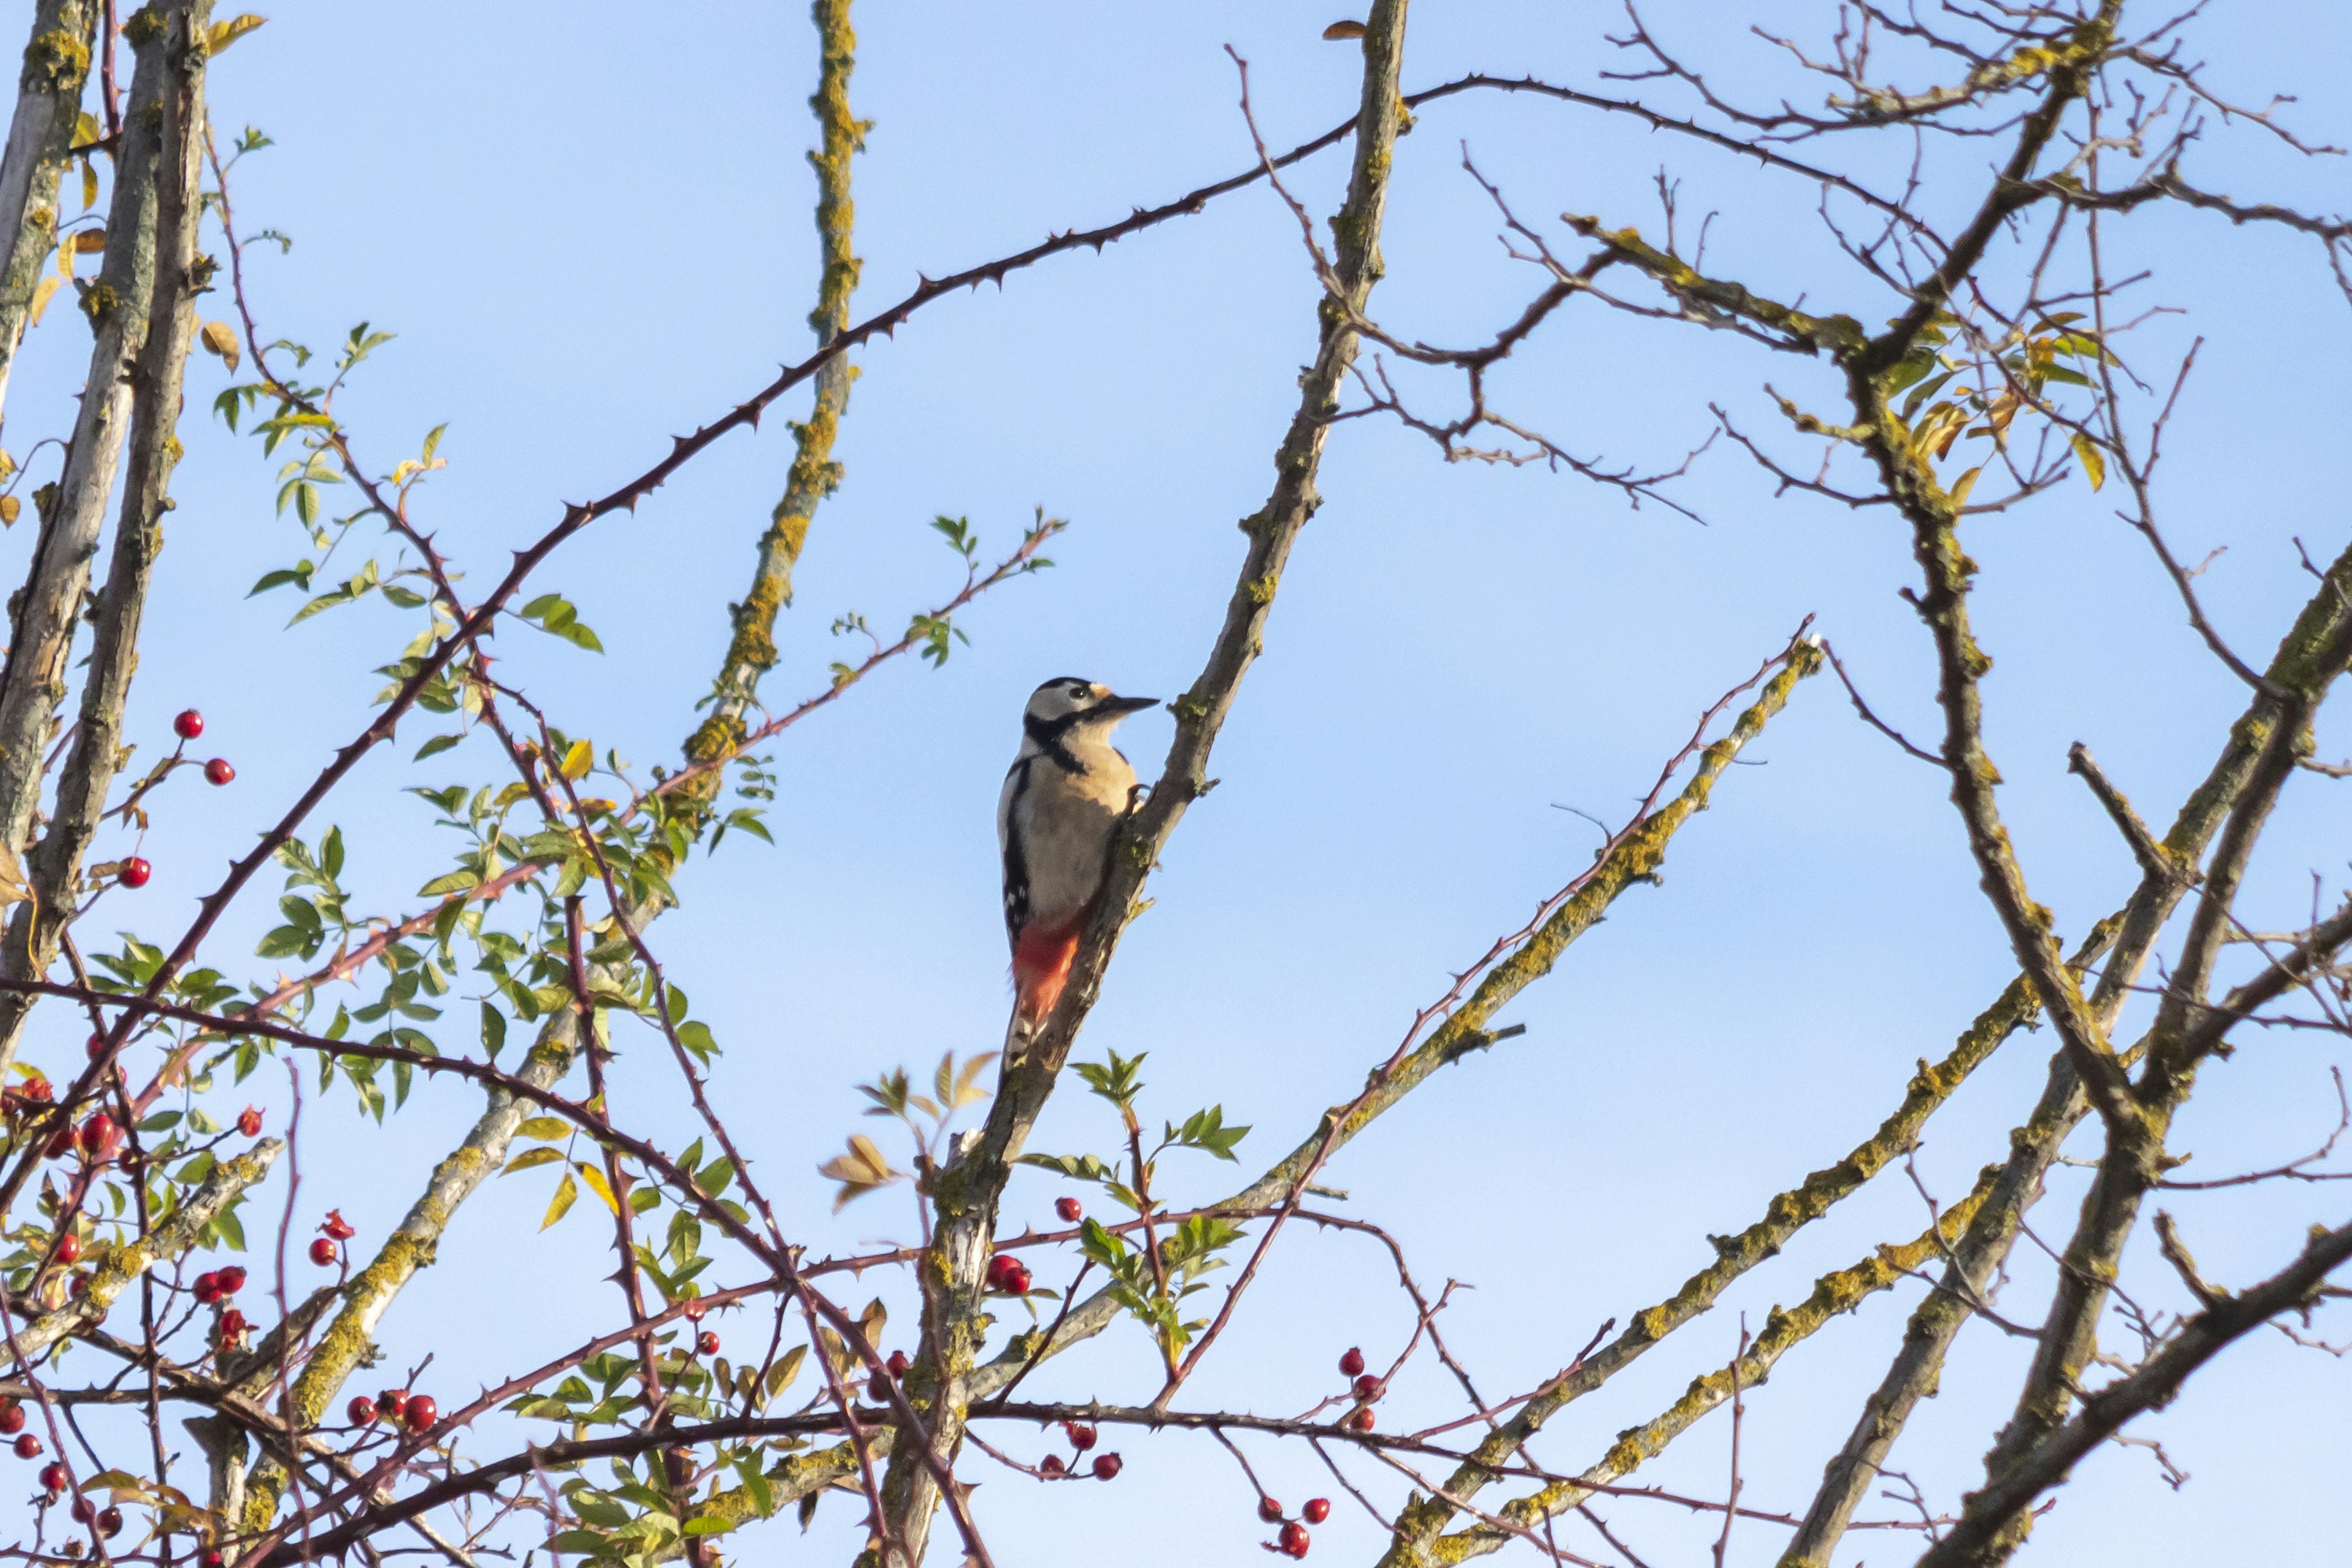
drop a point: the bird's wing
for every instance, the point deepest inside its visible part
(1010, 831)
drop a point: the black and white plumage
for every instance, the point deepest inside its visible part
(1062, 801)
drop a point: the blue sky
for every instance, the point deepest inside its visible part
(589, 226)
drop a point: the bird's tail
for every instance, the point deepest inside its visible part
(1041, 968)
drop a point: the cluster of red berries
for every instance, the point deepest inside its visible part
(12, 1425)
(108, 1520)
(396, 1407)
(219, 1285)
(326, 1250)
(97, 1140)
(188, 726)
(1106, 1467)
(135, 872)
(1293, 1540)
(1008, 1275)
(1365, 1390)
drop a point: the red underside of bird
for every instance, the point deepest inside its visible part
(1041, 967)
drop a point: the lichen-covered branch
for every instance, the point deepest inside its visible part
(48, 106)
(965, 1194)
(1784, 1328)
(814, 474)
(155, 379)
(72, 511)
(2315, 648)
(123, 1264)
(1419, 1524)
(1982, 1533)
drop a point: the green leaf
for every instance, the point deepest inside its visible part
(297, 575)
(709, 1526)
(437, 745)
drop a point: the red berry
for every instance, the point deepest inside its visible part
(341, 1228)
(60, 1143)
(693, 1310)
(391, 1403)
(84, 1511)
(54, 1479)
(322, 1253)
(110, 1521)
(98, 1138)
(1081, 1435)
(210, 1557)
(218, 772)
(232, 1281)
(1317, 1510)
(421, 1412)
(29, 1446)
(1269, 1510)
(897, 1364)
(1051, 1465)
(232, 1324)
(189, 724)
(69, 1248)
(1107, 1466)
(1360, 1420)
(878, 1389)
(249, 1122)
(707, 1342)
(1368, 1387)
(207, 1288)
(1352, 1363)
(12, 1418)
(1008, 1275)
(96, 1048)
(362, 1410)
(1294, 1539)
(135, 872)
(1070, 1209)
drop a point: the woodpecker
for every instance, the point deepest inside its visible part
(1063, 798)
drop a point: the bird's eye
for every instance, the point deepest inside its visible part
(1082, 692)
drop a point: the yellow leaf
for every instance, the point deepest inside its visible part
(89, 185)
(91, 241)
(544, 1128)
(10, 506)
(85, 127)
(787, 1367)
(529, 1157)
(49, 286)
(12, 875)
(221, 35)
(565, 1197)
(859, 1171)
(1963, 485)
(595, 1180)
(220, 339)
(579, 759)
(1344, 30)
(2093, 461)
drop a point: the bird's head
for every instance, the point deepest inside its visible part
(1066, 702)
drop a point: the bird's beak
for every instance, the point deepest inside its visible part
(1126, 704)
